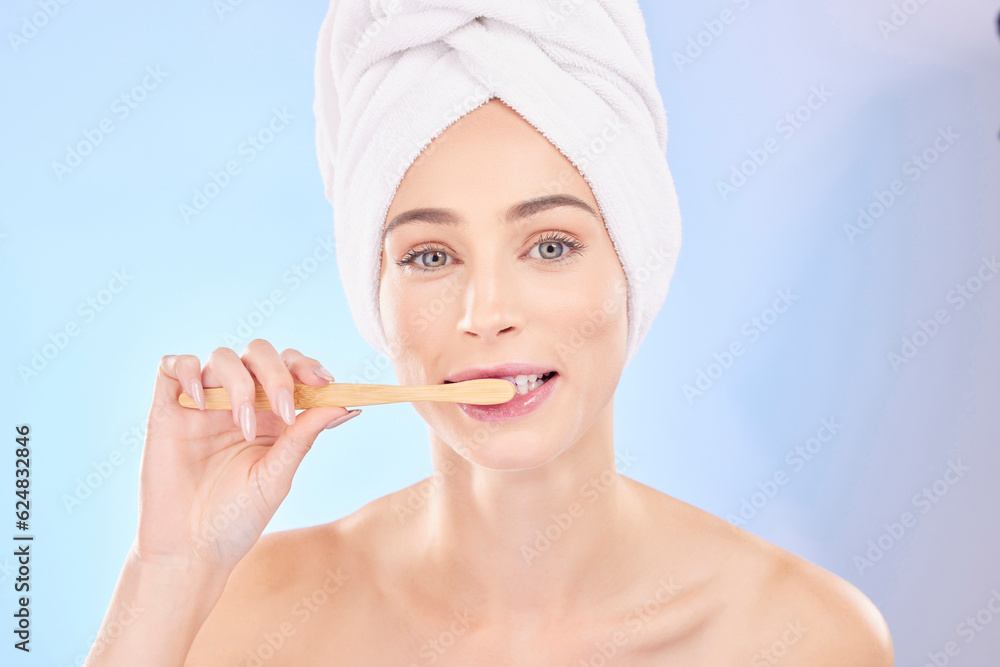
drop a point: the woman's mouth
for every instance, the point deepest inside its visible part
(531, 392)
(525, 384)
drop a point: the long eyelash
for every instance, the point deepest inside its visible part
(416, 252)
(575, 247)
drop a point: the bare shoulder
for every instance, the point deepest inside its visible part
(817, 617)
(284, 580)
(801, 613)
(768, 604)
(303, 593)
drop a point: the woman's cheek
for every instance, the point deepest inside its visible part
(593, 324)
(425, 306)
(397, 309)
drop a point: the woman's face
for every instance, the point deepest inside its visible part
(488, 289)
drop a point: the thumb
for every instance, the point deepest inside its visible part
(166, 389)
(278, 466)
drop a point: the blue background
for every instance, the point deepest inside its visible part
(190, 284)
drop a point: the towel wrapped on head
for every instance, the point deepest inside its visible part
(391, 75)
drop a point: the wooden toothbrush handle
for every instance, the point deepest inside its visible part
(486, 391)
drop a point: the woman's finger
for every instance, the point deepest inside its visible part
(167, 388)
(306, 370)
(269, 369)
(187, 369)
(224, 368)
(274, 472)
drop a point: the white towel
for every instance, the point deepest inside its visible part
(391, 75)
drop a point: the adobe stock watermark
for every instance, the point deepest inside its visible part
(430, 310)
(363, 37)
(655, 260)
(558, 18)
(712, 30)
(206, 544)
(790, 636)
(787, 126)
(131, 441)
(79, 658)
(246, 152)
(928, 329)
(294, 277)
(482, 435)
(434, 649)
(121, 108)
(924, 501)
(599, 144)
(120, 617)
(102, 470)
(32, 24)
(580, 333)
(301, 611)
(796, 459)
(224, 7)
(899, 16)
(913, 168)
(87, 312)
(374, 368)
(605, 652)
(591, 150)
(394, 175)
(968, 629)
(421, 492)
(562, 522)
(751, 330)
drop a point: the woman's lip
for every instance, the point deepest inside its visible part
(517, 407)
(499, 371)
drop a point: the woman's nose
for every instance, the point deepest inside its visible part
(491, 302)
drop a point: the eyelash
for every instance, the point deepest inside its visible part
(576, 247)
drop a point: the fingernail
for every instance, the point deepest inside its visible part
(195, 392)
(286, 406)
(340, 420)
(248, 422)
(323, 373)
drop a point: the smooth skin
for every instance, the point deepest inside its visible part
(526, 546)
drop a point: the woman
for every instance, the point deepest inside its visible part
(526, 546)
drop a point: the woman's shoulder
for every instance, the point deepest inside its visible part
(287, 588)
(285, 563)
(771, 600)
(802, 607)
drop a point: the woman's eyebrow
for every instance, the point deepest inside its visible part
(524, 209)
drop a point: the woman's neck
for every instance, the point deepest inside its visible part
(547, 540)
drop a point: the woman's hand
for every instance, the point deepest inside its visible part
(210, 480)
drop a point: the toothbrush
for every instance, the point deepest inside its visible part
(485, 391)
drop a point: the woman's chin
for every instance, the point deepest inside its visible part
(510, 454)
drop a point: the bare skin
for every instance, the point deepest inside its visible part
(527, 546)
(704, 593)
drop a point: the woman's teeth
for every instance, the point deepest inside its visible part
(526, 383)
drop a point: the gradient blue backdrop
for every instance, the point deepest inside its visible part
(188, 285)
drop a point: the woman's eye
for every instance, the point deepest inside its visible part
(548, 250)
(425, 258)
(435, 259)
